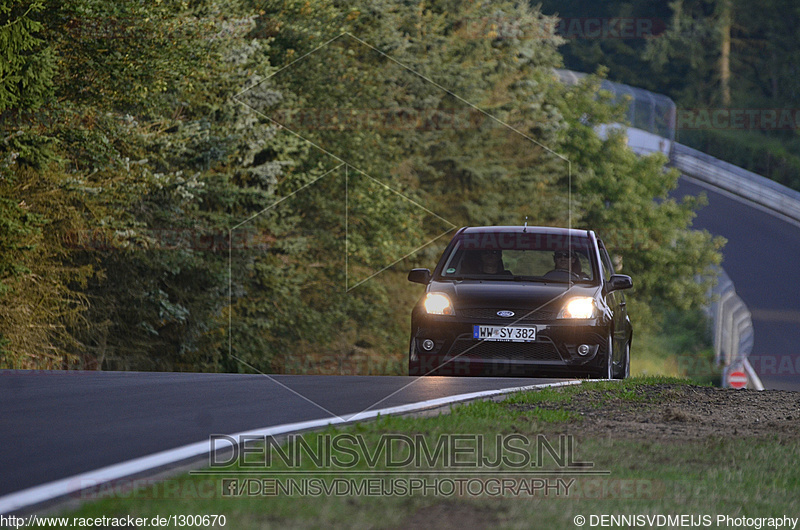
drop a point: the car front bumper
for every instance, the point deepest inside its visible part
(455, 351)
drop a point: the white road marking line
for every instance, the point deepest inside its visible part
(76, 483)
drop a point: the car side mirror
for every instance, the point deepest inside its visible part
(618, 282)
(422, 276)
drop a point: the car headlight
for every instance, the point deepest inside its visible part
(438, 304)
(582, 307)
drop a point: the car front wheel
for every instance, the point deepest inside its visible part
(623, 369)
(606, 370)
(413, 360)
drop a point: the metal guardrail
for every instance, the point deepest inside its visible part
(647, 111)
(733, 179)
(733, 332)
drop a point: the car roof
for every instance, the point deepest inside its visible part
(549, 230)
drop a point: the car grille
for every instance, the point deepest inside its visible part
(520, 316)
(515, 351)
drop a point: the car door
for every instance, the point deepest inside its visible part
(616, 301)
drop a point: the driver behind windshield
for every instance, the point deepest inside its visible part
(561, 259)
(564, 260)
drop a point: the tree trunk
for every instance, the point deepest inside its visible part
(726, 20)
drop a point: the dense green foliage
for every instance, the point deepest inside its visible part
(155, 214)
(681, 53)
(26, 60)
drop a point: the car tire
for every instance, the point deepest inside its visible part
(413, 364)
(606, 371)
(623, 370)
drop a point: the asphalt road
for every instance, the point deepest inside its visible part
(54, 425)
(761, 258)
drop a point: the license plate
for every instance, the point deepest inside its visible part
(504, 333)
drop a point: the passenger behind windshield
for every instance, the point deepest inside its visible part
(492, 262)
(484, 262)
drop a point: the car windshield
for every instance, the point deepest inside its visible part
(519, 256)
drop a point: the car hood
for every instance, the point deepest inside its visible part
(509, 294)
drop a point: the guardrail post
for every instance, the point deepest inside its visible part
(718, 325)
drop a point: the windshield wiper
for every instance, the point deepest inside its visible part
(559, 280)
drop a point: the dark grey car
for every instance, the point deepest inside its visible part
(521, 301)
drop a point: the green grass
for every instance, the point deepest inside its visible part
(681, 348)
(752, 477)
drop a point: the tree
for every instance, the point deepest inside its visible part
(183, 229)
(489, 174)
(26, 61)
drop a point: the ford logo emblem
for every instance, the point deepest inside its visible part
(505, 313)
